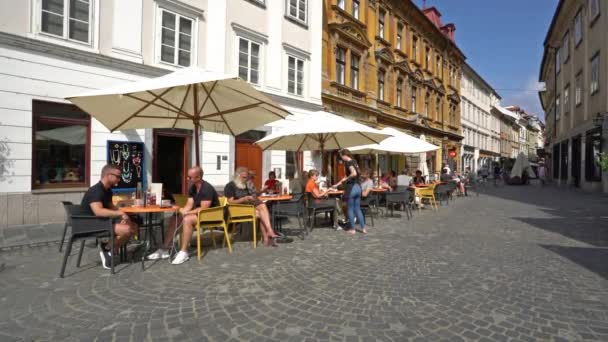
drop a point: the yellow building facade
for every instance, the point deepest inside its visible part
(389, 63)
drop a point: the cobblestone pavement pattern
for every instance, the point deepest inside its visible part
(515, 263)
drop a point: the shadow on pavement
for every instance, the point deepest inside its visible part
(593, 259)
(572, 213)
(591, 230)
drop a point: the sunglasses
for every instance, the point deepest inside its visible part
(115, 175)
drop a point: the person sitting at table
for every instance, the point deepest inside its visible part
(385, 181)
(201, 195)
(418, 178)
(392, 179)
(312, 187)
(98, 201)
(367, 184)
(238, 192)
(271, 184)
(445, 177)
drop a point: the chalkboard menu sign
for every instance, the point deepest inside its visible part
(129, 157)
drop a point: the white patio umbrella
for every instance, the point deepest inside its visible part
(191, 98)
(320, 131)
(399, 143)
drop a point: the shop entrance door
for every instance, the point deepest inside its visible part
(170, 162)
(249, 155)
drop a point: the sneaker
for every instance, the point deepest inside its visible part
(338, 228)
(106, 256)
(159, 254)
(180, 258)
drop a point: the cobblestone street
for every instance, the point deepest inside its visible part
(515, 263)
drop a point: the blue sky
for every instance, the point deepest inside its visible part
(502, 40)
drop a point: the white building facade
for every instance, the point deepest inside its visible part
(481, 127)
(53, 49)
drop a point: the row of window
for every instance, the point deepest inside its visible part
(476, 115)
(563, 52)
(354, 7)
(594, 87)
(480, 140)
(401, 42)
(72, 20)
(472, 89)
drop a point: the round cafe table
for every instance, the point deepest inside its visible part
(149, 211)
(271, 198)
(335, 193)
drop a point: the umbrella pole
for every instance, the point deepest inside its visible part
(197, 143)
(196, 126)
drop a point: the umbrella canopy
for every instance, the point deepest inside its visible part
(399, 143)
(321, 131)
(191, 98)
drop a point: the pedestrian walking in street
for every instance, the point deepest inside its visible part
(497, 173)
(542, 173)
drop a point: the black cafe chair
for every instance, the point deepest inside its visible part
(85, 226)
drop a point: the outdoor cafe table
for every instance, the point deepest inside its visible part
(378, 192)
(149, 211)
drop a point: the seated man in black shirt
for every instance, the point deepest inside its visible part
(201, 195)
(98, 201)
(238, 192)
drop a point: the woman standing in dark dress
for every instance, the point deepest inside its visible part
(352, 191)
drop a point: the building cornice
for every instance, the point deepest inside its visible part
(79, 56)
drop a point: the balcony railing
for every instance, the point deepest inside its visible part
(348, 92)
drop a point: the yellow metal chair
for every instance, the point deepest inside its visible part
(211, 218)
(428, 193)
(242, 213)
(180, 200)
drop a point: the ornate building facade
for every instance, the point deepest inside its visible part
(389, 63)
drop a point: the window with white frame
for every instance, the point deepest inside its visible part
(578, 27)
(341, 3)
(578, 99)
(381, 15)
(176, 39)
(67, 19)
(295, 75)
(595, 74)
(594, 9)
(558, 108)
(355, 8)
(399, 30)
(297, 9)
(414, 91)
(354, 71)
(340, 65)
(567, 99)
(399, 91)
(381, 84)
(249, 60)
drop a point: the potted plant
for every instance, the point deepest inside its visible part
(604, 161)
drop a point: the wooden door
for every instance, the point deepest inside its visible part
(250, 156)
